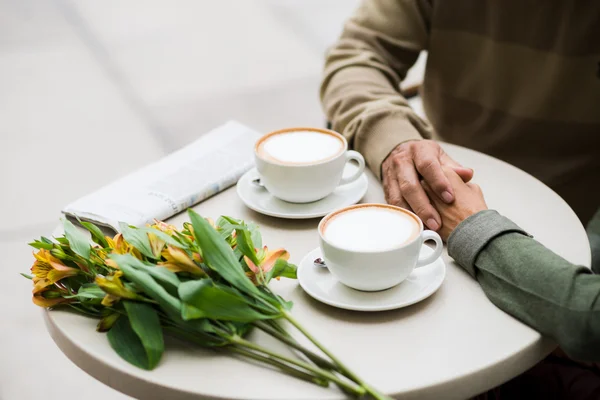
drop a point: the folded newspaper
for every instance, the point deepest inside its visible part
(194, 173)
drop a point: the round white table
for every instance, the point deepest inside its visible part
(452, 345)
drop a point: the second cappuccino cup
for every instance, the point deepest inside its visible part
(373, 247)
(302, 165)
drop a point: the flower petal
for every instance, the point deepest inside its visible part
(156, 244)
(44, 302)
(56, 275)
(40, 285)
(113, 286)
(107, 322)
(251, 265)
(177, 260)
(49, 299)
(111, 263)
(272, 257)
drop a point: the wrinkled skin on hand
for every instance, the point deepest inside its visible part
(411, 162)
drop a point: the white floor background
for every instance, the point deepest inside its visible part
(90, 90)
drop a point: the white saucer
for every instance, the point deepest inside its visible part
(260, 200)
(320, 284)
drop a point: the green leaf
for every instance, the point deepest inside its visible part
(218, 302)
(46, 240)
(226, 226)
(97, 234)
(88, 291)
(282, 268)
(126, 343)
(26, 276)
(241, 329)
(170, 240)
(41, 245)
(184, 240)
(218, 255)
(78, 242)
(145, 323)
(199, 336)
(139, 239)
(255, 235)
(92, 289)
(189, 312)
(163, 276)
(244, 243)
(286, 304)
(133, 269)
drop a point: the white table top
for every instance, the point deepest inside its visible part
(453, 345)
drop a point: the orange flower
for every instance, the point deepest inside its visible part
(177, 260)
(48, 298)
(268, 260)
(48, 270)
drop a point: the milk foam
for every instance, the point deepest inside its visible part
(370, 229)
(300, 147)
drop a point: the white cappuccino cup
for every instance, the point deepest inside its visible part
(302, 165)
(373, 247)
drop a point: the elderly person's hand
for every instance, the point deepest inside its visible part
(468, 200)
(412, 161)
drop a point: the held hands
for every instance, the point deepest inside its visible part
(468, 200)
(402, 171)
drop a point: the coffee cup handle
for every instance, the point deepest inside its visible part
(356, 156)
(437, 251)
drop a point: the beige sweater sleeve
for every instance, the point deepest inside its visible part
(361, 87)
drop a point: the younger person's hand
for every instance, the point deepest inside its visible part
(468, 200)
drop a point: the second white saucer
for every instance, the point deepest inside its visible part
(260, 200)
(320, 284)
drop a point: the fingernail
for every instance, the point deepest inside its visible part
(447, 197)
(432, 224)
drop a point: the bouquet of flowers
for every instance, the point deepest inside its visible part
(206, 283)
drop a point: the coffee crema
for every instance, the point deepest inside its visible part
(300, 146)
(370, 227)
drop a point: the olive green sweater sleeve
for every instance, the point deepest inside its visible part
(360, 91)
(530, 282)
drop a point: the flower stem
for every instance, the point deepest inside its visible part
(268, 360)
(282, 366)
(315, 358)
(357, 391)
(345, 370)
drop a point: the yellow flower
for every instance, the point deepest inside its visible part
(164, 227)
(118, 245)
(48, 270)
(156, 244)
(48, 298)
(267, 262)
(114, 288)
(107, 322)
(177, 260)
